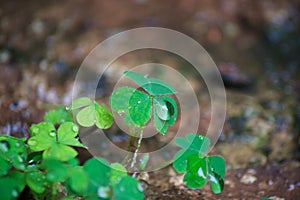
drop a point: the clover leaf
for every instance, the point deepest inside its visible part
(117, 172)
(152, 85)
(134, 104)
(128, 189)
(12, 185)
(199, 167)
(58, 116)
(98, 172)
(55, 144)
(12, 152)
(37, 181)
(56, 170)
(92, 113)
(196, 175)
(78, 181)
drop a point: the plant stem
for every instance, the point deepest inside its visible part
(137, 148)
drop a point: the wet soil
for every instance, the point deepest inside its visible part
(42, 44)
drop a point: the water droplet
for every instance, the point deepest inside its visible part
(140, 188)
(52, 133)
(18, 144)
(122, 189)
(201, 137)
(35, 130)
(103, 192)
(68, 107)
(4, 146)
(15, 193)
(32, 142)
(75, 128)
(139, 102)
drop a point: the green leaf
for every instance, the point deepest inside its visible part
(66, 134)
(119, 100)
(181, 160)
(37, 181)
(86, 116)
(161, 109)
(140, 79)
(98, 171)
(60, 152)
(172, 109)
(158, 87)
(216, 182)
(196, 175)
(4, 167)
(56, 170)
(104, 118)
(152, 85)
(140, 108)
(13, 151)
(160, 125)
(197, 143)
(55, 144)
(41, 128)
(19, 177)
(58, 116)
(78, 181)
(95, 114)
(81, 102)
(128, 189)
(117, 172)
(216, 164)
(11, 187)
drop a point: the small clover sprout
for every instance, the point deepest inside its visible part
(137, 106)
(91, 113)
(197, 166)
(55, 143)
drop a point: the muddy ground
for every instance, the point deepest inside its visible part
(42, 44)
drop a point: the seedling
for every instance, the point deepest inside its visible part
(137, 106)
(197, 166)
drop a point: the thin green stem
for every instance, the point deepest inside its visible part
(137, 148)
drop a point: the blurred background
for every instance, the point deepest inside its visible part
(255, 44)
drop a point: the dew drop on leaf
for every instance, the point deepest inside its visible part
(68, 107)
(18, 144)
(122, 189)
(4, 146)
(32, 142)
(35, 130)
(103, 192)
(52, 133)
(140, 188)
(14, 193)
(75, 128)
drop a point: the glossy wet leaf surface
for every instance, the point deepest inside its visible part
(152, 85)
(128, 189)
(140, 108)
(93, 113)
(196, 175)
(37, 181)
(198, 167)
(117, 172)
(58, 116)
(55, 144)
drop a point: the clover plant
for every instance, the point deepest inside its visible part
(46, 163)
(197, 166)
